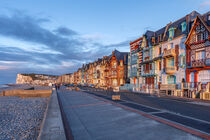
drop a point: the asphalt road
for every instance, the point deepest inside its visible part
(189, 113)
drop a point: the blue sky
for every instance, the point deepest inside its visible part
(56, 37)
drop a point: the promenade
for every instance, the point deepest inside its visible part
(91, 117)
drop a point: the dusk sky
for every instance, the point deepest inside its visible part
(58, 36)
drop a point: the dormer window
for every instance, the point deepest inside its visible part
(184, 26)
(171, 32)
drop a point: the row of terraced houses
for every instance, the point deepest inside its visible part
(107, 72)
(174, 60)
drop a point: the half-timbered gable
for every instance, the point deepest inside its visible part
(198, 50)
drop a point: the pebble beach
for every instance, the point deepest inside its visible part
(21, 118)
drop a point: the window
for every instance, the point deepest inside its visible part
(114, 82)
(182, 60)
(153, 40)
(200, 55)
(171, 45)
(159, 38)
(171, 62)
(184, 26)
(114, 73)
(114, 65)
(171, 32)
(150, 66)
(121, 63)
(121, 81)
(171, 79)
(146, 53)
(198, 37)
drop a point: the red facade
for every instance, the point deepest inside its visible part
(198, 51)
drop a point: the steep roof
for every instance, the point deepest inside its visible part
(121, 56)
(193, 26)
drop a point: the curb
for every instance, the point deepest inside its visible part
(52, 126)
(44, 118)
(67, 128)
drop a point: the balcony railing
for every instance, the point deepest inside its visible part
(167, 86)
(170, 70)
(148, 73)
(192, 85)
(169, 53)
(198, 63)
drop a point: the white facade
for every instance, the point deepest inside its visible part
(180, 73)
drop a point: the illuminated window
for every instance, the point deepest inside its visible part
(121, 81)
(114, 65)
(121, 63)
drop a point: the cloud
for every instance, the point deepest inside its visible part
(26, 28)
(26, 46)
(65, 31)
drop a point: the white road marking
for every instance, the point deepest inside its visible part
(200, 103)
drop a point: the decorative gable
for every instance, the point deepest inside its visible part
(199, 33)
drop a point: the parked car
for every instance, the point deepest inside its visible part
(79, 84)
(85, 85)
(92, 85)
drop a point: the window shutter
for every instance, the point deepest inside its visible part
(160, 51)
(177, 56)
(164, 65)
(159, 65)
(183, 60)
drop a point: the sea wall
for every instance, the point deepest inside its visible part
(27, 93)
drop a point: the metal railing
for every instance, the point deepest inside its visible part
(170, 52)
(198, 63)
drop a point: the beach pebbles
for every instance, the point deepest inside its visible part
(20, 118)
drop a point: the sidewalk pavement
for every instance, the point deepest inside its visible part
(92, 118)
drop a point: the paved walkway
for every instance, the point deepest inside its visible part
(91, 118)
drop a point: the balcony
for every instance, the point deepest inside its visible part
(167, 86)
(169, 53)
(148, 73)
(198, 63)
(114, 76)
(170, 70)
